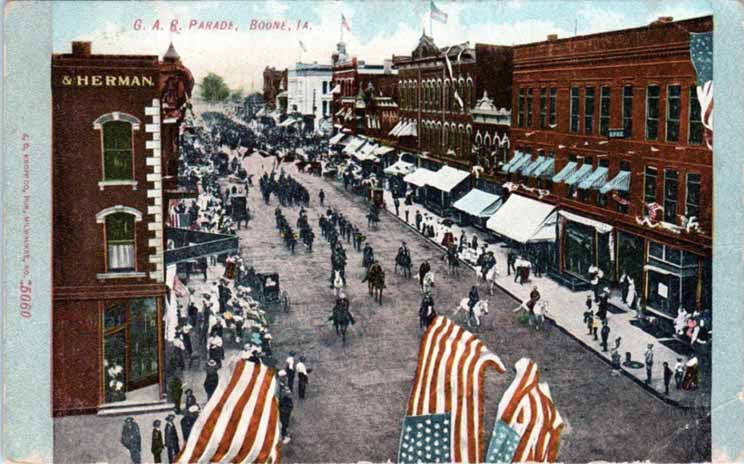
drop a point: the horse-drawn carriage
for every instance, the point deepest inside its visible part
(269, 289)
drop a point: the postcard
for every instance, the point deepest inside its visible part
(408, 231)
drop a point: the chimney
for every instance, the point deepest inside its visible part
(552, 37)
(662, 20)
(82, 49)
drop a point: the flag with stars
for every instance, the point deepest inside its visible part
(444, 419)
(528, 426)
(701, 54)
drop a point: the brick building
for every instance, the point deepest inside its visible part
(607, 127)
(274, 80)
(115, 124)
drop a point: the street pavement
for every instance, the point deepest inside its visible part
(358, 391)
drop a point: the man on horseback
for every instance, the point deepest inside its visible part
(368, 256)
(341, 316)
(375, 279)
(403, 259)
(453, 261)
(423, 270)
(473, 299)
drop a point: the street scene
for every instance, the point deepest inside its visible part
(507, 243)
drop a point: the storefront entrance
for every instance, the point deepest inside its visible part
(579, 246)
(130, 346)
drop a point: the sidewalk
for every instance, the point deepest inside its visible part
(567, 311)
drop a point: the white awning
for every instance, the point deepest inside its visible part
(288, 122)
(336, 89)
(580, 174)
(565, 172)
(478, 203)
(595, 179)
(340, 112)
(409, 129)
(400, 168)
(354, 144)
(601, 227)
(336, 138)
(366, 152)
(448, 178)
(621, 183)
(394, 131)
(524, 220)
(420, 177)
(383, 150)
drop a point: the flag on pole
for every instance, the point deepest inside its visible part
(436, 13)
(240, 424)
(444, 418)
(701, 55)
(302, 46)
(345, 23)
(528, 426)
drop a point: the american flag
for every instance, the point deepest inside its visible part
(654, 211)
(345, 23)
(528, 426)
(436, 13)
(445, 410)
(240, 424)
(180, 289)
(701, 55)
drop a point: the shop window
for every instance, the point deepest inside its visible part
(579, 251)
(652, 112)
(552, 119)
(671, 181)
(695, 131)
(120, 242)
(529, 107)
(588, 110)
(692, 199)
(628, 111)
(574, 110)
(673, 255)
(649, 185)
(656, 250)
(520, 108)
(604, 111)
(674, 108)
(117, 151)
(325, 87)
(543, 107)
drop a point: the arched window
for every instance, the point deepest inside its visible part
(438, 138)
(486, 140)
(453, 138)
(116, 139)
(468, 140)
(447, 94)
(438, 103)
(415, 95)
(119, 234)
(469, 94)
(445, 137)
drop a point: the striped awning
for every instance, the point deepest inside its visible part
(621, 183)
(545, 169)
(565, 172)
(517, 156)
(529, 167)
(595, 179)
(520, 163)
(580, 174)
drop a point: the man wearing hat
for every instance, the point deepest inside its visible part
(649, 358)
(157, 444)
(289, 366)
(302, 373)
(212, 379)
(188, 420)
(171, 438)
(285, 413)
(131, 439)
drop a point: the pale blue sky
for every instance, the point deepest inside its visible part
(379, 27)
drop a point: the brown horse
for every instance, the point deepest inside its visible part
(375, 279)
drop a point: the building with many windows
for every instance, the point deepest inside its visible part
(309, 92)
(115, 124)
(607, 127)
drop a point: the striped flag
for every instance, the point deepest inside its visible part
(528, 426)
(444, 419)
(240, 424)
(436, 13)
(345, 23)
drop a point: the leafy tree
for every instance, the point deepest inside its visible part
(237, 95)
(214, 89)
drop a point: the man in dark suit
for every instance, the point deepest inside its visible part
(131, 439)
(423, 270)
(157, 442)
(171, 438)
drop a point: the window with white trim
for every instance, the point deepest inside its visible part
(120, 239)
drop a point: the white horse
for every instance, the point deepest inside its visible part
(338, 283)
(491, 277)
(428, 282)
(480, 308)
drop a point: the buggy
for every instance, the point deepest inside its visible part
(269, 289)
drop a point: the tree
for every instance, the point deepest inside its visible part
(236, 95)
(214, 89)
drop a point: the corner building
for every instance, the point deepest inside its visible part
(108, 122)
(616, 120)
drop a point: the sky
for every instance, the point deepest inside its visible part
(379, 28)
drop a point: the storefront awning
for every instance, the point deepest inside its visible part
(336, 139)
(527, 168)
(400, 168)
(580, 174)
(409, 130)
(336, 89)
(448, 178)
(420, 177)
(565, 172)
(383, 150)
(621, 183)
(193, 244)
(394, 131)
(595, 179)
(478, 203)
(366, 152)
(518, 156)
(545, 169)
(354, 144)
(520, 163)
(601, 227)
(524, 220)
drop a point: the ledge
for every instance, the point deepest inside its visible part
(120, 275)
(116, 183)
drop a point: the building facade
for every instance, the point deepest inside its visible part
(613, 122)
(272, 86)
(455, 103)
(309, 92)
(111, 146)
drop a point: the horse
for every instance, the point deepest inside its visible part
(428, 282)
(341, 319)
(373, 219)
(480, 308)
(491, 275)
(338, 283)
(403, 260)
(375, 279)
